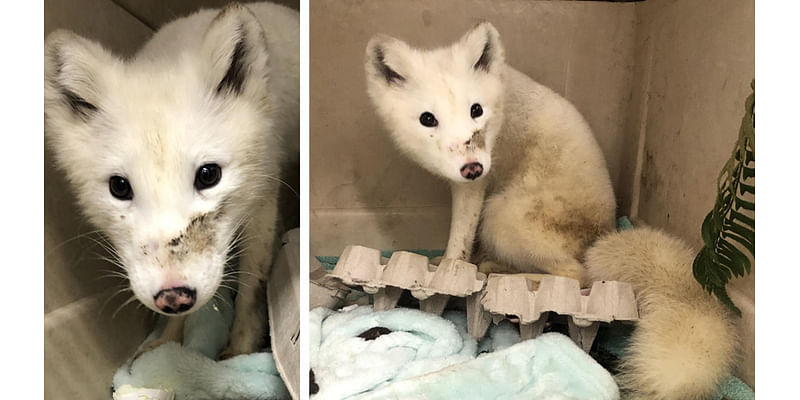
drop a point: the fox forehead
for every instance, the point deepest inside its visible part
(167, 117)
(160, 138)
(150, 95)
(440, 76)
(158, 125)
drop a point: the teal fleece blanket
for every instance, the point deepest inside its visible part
(403, 353)
(190, 372)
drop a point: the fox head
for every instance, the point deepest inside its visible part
(165, 155)
(443, 107)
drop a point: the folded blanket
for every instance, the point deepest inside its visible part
(345, 363)
(403, 353)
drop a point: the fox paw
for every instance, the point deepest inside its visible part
(229, 352)
(244, 340)
(235, 349)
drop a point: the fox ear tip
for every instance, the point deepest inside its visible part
(53, 44)
(377, 39)
(377, 44)
(236, 49)
(485, 35)
(72, 70)
(376, 51)
(59, 36)
(485, 24)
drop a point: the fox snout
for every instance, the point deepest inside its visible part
(175, 300)
(472, 170)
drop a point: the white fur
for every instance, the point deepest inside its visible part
(159, 117)
(684, 343)
(545, 193)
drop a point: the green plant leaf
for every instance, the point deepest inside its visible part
(751, 222)
(747, 245)
(732, 218)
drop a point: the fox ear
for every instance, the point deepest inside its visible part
(236, 52)
(73, 68)
(484, 49)
(385, 60)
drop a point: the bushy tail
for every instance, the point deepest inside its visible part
(684, 343)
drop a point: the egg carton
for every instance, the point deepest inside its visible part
(532, 302)
(529, 298)
(432, 285)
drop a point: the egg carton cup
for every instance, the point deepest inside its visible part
(324, 290)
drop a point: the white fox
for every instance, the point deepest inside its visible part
(519, 158)
(464, 115)
(177, 153)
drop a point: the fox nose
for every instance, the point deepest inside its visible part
(472, 171)
(175, 300)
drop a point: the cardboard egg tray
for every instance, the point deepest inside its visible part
(431, 285)
(517, 295)
(531, 298)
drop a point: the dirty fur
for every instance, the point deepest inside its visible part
(684, 343)
(545, 193)
(216, 87)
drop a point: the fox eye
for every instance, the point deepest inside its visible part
(476, 110)
(427, 119)
(120, 188)
(207, 176)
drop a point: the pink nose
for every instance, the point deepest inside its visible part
(472, 171)
(175, 300)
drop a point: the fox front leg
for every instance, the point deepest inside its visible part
(249, 324)
(467, 202)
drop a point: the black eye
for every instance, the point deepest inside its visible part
(207, 176)
(427, 119)
(476, 110)
(120, 188)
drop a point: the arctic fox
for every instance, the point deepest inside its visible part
(519, 158)
(684, 343)
(177, 153)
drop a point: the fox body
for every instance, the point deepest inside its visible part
(528, 178)
(526, 174)
(176, 154)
